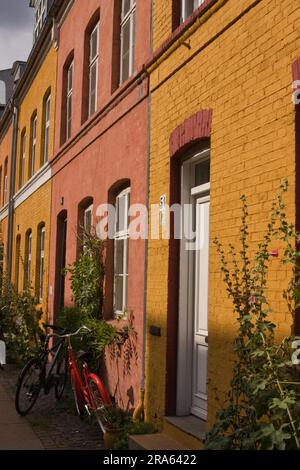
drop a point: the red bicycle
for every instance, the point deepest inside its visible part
(89, 391)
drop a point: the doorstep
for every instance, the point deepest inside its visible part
(179, 433)
(188, 430)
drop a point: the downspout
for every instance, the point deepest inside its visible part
(12, 190)
(139, 413)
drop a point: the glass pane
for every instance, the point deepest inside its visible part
(94, 44)
(46, 144)
(121, 207)
(42, 240)
(93, 85)
(125, 50)
(48, 110)
(202, 173)
(69, 116)
(88, 221)
(119, 256)
(132, 42)
(119, 293)
(126, 7)
(187, 8)
(70, 77)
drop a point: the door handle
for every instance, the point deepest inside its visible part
(206, 339)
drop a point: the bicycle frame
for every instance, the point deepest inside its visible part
(80, 379)
(47, 375)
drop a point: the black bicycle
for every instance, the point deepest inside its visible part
(47, 370)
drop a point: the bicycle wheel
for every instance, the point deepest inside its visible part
(100, 400)
(79, 403)
(28, 387)
(61, 378)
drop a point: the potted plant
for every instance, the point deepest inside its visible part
(113, 420)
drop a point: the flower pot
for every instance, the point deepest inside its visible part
(110, 437)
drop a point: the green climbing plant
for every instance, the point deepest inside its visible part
(263, 408)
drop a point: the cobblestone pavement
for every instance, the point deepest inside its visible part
(56, 424)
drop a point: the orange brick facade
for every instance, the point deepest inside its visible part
(234, 59)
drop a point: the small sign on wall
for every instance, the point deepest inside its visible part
(162, 209)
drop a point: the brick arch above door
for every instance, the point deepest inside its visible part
(196, 127)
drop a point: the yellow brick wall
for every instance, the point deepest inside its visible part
(36, 208)
(28, 216)
(240, 67)
(32, 101)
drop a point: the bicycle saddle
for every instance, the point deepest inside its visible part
(56, 328)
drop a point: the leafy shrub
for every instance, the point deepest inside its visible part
(263, 410)
(87, 278)
(19, 321)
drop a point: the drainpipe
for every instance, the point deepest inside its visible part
(139, 413)
(12, 189)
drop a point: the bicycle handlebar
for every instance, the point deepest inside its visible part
(68, 335)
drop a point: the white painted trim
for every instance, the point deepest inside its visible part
(186, 292)
(38, 180)
(4, 212)
(198, 190)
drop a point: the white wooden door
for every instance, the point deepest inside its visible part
(200, 336)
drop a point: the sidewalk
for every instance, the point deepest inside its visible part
(15, 432)
(50, 425)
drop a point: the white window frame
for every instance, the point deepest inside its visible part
(33, 146)
(93, 63)
(122, 235)
(47, 129)
(22, 159)
(184, 8)
(186, 282)
(70, 73)
(42, 236)
(5, 182)
(88, 210)
(18, 259)
(130, 16)
(28, 259)
(40, 16)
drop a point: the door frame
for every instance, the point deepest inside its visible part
(189, 193)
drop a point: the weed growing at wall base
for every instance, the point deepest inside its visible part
(263, 410)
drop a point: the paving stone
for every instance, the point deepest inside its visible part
(56, 424)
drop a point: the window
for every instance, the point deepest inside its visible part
(27, 267)
(188, 6)
(127, 38)
(93, 69)
(88, 219)
(40, 16)
(22, 159)
(41, 263)
(46, 130)
(32, 146)
(18, 259)
(121, 251)
(69, 100)
(5, 182)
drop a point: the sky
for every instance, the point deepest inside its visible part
(16, 31)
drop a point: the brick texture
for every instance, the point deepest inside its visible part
(237, 64)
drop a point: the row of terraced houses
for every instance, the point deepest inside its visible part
(151, 102)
